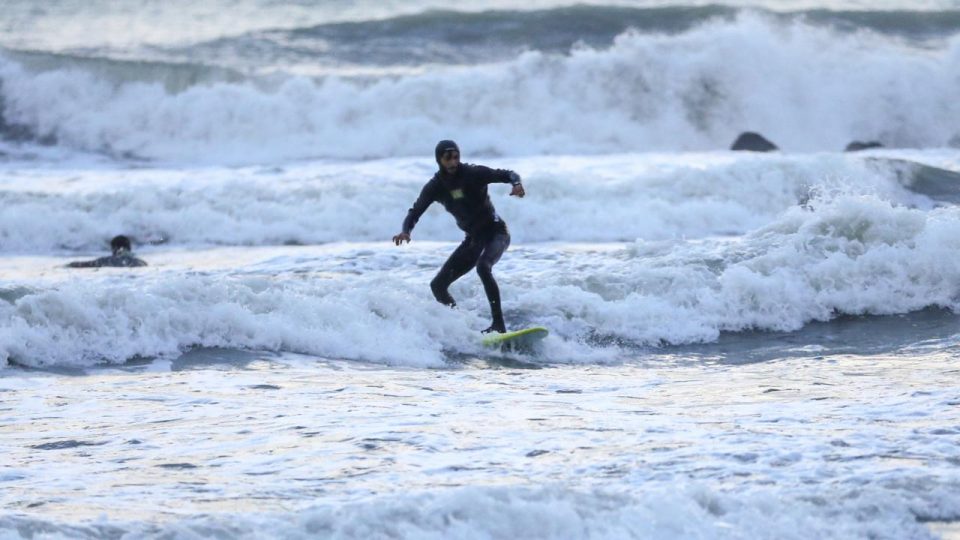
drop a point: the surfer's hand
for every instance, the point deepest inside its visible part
(401, 238)
(518, 191)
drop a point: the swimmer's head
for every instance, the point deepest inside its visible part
(120, 244)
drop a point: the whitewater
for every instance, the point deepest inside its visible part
(742, 344)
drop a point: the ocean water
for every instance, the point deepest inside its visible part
(743, 345)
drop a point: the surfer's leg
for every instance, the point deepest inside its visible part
(492, 251)
(461, 261)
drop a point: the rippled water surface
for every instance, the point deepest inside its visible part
(870, 439)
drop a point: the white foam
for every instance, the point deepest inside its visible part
(590, 199)
(817, 90)
(83, 322)
(851, 255)
(854, 255)
(678, 510)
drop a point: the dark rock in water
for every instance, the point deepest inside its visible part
(858, 145)
(753, 142)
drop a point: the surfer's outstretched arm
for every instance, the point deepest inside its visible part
(504, 176)
(84, 264)
(426, 198)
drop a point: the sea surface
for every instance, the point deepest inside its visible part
(742, 345)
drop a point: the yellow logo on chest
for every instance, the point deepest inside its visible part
(456, 193)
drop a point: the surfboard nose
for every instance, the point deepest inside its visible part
(524, 338)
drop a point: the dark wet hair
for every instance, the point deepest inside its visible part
(442, 147)
(120, 243)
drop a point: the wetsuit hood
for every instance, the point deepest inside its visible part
(120, 244)
(442, 147)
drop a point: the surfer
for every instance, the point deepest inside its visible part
(122, 256)
(462, 189)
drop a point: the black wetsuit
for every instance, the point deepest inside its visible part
(464, 194)
(124, 259)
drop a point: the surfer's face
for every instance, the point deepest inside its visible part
(450, 160)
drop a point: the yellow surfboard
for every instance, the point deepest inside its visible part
(525, 338)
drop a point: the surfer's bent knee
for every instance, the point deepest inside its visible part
(485, 268)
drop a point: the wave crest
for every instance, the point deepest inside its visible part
(806, 88)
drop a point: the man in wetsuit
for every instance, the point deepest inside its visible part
(462, 189)
(122, 257)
